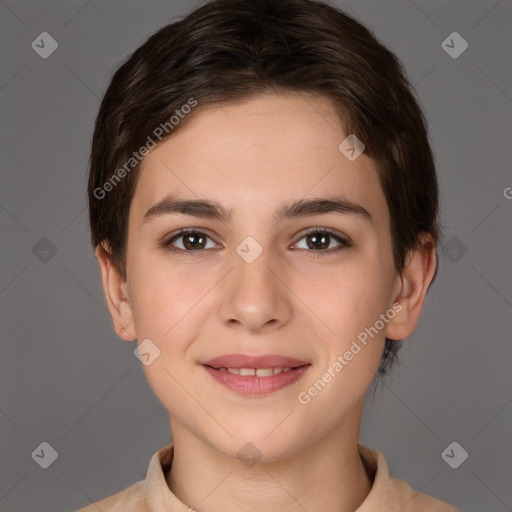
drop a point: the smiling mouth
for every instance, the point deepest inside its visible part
(257, 381)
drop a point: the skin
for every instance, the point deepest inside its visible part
(250, 157)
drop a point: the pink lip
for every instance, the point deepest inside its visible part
(252, 384)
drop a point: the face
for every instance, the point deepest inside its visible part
(264, 279)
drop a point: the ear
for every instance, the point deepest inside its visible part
(413, 284)
(116, 294)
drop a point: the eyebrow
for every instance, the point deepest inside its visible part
(208, 209)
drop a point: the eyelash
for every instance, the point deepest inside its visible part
(344, 242)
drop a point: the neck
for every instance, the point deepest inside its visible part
(328, 475)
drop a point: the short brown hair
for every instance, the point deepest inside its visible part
(228, 50)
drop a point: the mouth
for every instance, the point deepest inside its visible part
(256, 375)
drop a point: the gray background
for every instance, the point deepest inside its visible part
(67, 380)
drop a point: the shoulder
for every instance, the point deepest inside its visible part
(410, 500)
(137, 496)
(390, 494)
(130, 499)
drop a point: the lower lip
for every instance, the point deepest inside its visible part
(253, 385)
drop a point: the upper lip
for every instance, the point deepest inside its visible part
(247, 361)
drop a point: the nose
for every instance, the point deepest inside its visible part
(255, 295)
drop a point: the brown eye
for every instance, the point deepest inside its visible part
(321, 240)
(318, 240)
(193, 241)
(189, 240)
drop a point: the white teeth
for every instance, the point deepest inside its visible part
(264, 372)
(259, 372)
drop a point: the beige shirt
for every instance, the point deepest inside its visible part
(387, 494)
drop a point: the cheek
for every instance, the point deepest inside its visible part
(352, 308)
(352, 354)
(164, 299)
(164, 312)
(353, 298)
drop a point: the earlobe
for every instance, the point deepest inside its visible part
(115, 289)
(416, 277)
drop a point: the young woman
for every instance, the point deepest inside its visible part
(264, 209)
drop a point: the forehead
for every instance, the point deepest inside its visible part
(250, 156)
